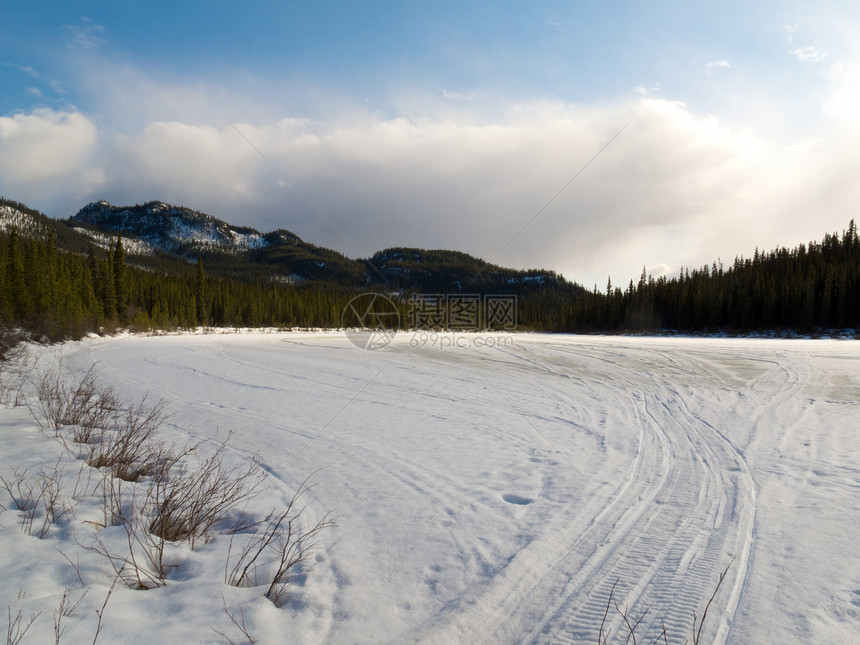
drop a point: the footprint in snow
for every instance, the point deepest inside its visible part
(516, 499)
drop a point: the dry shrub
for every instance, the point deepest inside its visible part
(38, 496)
(18, 627)
(14, 371)
(66, 609)
(239, 623)
(175, 500)
(92, 415)
(129, 449)
(140, 565)
(140, 562)
(11, 342)
(179, 503)
(274, 555)
(84, 405)
(186, 502)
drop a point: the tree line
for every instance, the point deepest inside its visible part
(57, 294)
(811, 287)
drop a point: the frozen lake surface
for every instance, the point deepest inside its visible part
(494, 494)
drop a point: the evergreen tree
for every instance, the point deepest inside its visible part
(119, 280)
(16, 290)
(200, 294)
(108, 285)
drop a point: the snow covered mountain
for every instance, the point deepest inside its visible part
(188, 234)
(167, 238)
(180, 233)
(25, 220)
(172, 229)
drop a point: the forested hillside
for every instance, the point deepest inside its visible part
(814, 286)
(57, 294)
(57, 283)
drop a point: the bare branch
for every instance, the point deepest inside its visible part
(287, 541)
(101, 612)
(697, 633)
(186, 503)
(17, 627)
(67, 608)
(240, 623)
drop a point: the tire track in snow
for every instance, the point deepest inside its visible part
(771, 393)
(557, 560)
(664, 538)
(726, 502)
(653, 560)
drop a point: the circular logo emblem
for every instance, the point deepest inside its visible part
(371, 321)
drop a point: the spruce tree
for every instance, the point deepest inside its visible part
(200, 293)
(17, 294)
(119, 280)
(108, 286)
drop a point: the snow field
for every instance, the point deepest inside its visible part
(488, 494)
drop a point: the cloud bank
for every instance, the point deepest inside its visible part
(49, 152)
(676, 187)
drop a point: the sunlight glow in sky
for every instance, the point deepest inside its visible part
(448, 124)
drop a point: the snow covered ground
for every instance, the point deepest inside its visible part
(487, 494)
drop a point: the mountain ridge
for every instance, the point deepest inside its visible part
(166, 227)
(156, 233)
(55, 283)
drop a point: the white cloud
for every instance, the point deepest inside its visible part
(203, 162)
(645, 91)
(36, 75)
(788, 32)
(843, 103)
(458, 169)
(809, 54)
(458, 96)
(676, 188)
(719, 64)
(86, 34)
(47, 146)
(663, 270)
(27, 69)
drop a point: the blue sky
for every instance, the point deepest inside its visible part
(371, 51)
(447, 124)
